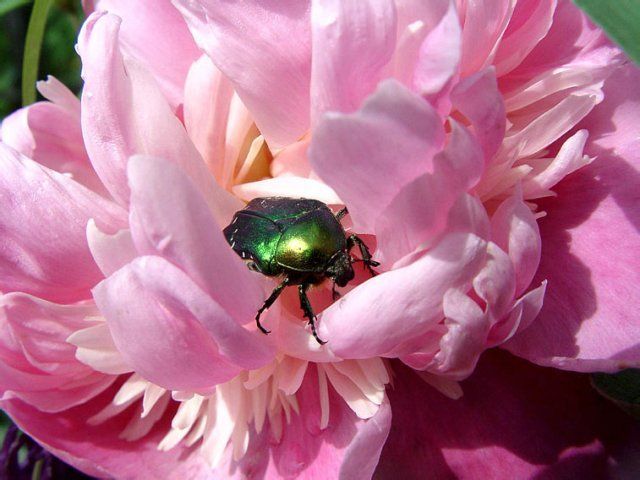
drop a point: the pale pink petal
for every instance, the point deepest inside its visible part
(478, 98)
(570, 158)
(288, 186)
(439, 55)
(96, 349)
(157, 36)
(44, 250)
(536, 130)
(98, 450)
(484, 24)
(171, 332)
(271, 68)
(515, 420)
(49, 133)
(207, 103)
(124, 113)
(367, 156)
(402, 227)
(530, 22)
(352, 43)
(347, 448)
(515, 230)
(110, 251)
(415, 19)
(170, 218)
(383, 315)
(42, 329)
(589, 241)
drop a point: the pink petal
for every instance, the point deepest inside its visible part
(170, 218)
(288, 186)
(589, 240)
(44, 250)
(415, 19)
(439, 55)
(110, 252)
(357, 154)
(49, 133)
(478, 98)
(381, 316)
(98, 450)
(171, 332)
(515, 230)
(271, 68)
(484, 24)
(571, 432)
(124, 113)
(403, 226)
(167, 56)
(347, 448)
(352, 42)
(207, 105)
(530, 22)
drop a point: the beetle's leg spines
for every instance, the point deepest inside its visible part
(268, 302)
(354, 240)
(341, 214)
(308, 311)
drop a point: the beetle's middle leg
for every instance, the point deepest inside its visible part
(354, 240)
(308, 311)
(269, 301)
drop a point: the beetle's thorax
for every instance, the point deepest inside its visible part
(340, 269)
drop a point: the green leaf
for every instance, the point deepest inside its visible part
(622, 388)
(620, 19)
(32, 46)
(7, 5)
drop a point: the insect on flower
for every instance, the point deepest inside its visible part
(300, 240)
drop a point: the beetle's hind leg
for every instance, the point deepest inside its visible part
(341, 213)
(269, 301)
(308, 311)
(354, 240)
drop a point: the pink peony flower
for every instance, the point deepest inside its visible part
(488, 154)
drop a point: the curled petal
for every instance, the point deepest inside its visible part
(173, 333)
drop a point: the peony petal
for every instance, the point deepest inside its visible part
(98, 450)
(110, 252)
(403, 226)
(171, 332)
(589, 241)
(381, 316)
(484, 24)
(120, 94)
(515, 230)
(270, 69)
(352, 43)
(167, 56)
(44, 251)
(439, 55)
(288, 186)
(169, 218)
(367, 156)
(347, 448)
(478, 98)
(530, 22)
(571, 432)
(207, 105)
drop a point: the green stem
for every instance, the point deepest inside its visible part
(37, 470)
(32, 47)
(7, 5)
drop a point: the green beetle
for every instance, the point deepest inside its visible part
(298, 239)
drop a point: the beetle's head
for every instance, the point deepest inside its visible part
(340, 269)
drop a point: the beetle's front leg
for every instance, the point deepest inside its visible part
(269, 301)
(308, 311)
(354, 240)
